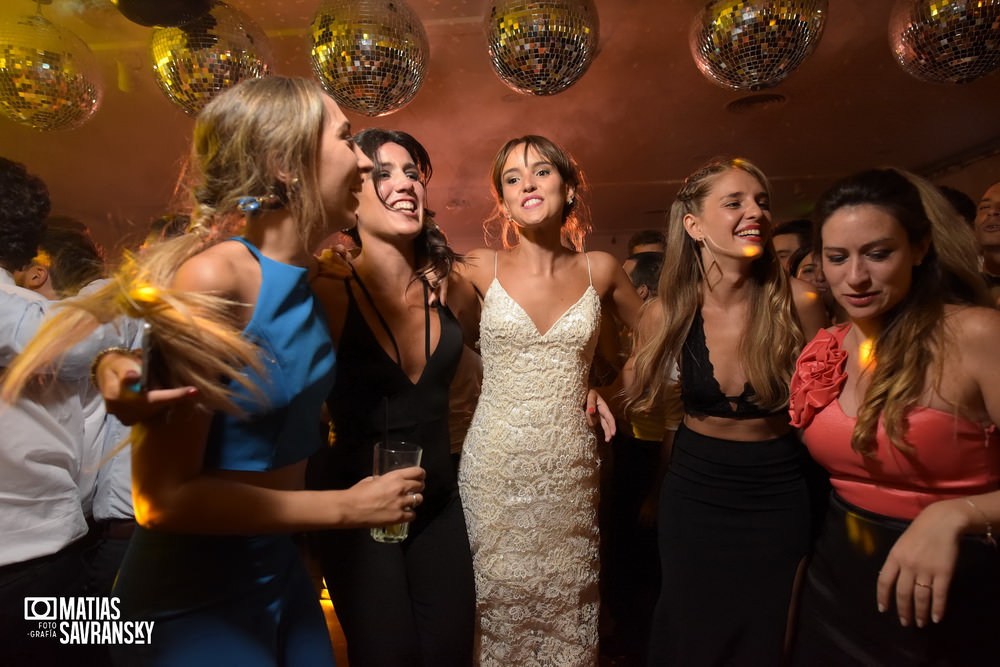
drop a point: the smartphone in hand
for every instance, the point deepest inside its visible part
(146, 359)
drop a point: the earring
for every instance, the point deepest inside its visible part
(254, 205)
(570, 201)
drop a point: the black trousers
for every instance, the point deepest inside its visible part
(406, 604)
(63, 574)
(631, 568)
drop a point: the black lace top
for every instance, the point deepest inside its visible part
(700, 391)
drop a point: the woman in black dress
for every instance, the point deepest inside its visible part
(734, 509)
(410, 603)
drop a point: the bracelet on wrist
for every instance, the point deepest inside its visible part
(988, 537)
(117, 349)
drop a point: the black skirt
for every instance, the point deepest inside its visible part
(839, 623)
(733, 529)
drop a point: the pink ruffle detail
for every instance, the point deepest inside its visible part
(818, 379)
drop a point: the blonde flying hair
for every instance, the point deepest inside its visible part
(576, 223)
(260, 138)
(915, 328)
(772, 336)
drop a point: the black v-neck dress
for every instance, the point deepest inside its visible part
(411, 603)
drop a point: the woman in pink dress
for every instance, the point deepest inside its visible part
(900, 404)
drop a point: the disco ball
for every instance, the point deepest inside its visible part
(370, 55)
(755, 44)
(49, 79)
(945, 41)
(541, 47)
(195, 62)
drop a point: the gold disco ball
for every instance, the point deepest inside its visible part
(194, 62)
(941, 41)
(541, 47)
(49, 79)
(755, 44)
(370, 55)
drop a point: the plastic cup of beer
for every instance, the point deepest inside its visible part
(391, 456)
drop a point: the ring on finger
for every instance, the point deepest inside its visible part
(923, 585)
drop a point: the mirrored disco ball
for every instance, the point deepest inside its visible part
(370, 55)
(541, 47)
(943, 41)
(755, 44)
(49, 79)
(194, 62)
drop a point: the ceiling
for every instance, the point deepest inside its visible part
(638, 121)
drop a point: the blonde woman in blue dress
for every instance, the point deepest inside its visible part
(529, 471)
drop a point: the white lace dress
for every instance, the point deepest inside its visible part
(529, 485)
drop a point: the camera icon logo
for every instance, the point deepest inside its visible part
(40, 609)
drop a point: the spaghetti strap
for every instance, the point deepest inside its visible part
(385, 325)
(590, 276)
(495, 256)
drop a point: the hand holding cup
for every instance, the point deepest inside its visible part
(390, 456)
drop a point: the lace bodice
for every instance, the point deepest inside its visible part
(529, 485)
(518, 360)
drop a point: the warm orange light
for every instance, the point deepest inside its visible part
(145, 292)
(859, 534)
(866, 353)
(42, 259)
(752, 251)
(141, 509)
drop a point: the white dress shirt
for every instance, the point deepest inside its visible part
(42, 437)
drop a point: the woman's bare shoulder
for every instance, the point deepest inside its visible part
(477, 257)
(606, 270)
(603, 261)
(651, 315)
(216, 270)
(478, 266)
(975, 326)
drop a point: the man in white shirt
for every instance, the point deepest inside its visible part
(68, 263)
(42, 449)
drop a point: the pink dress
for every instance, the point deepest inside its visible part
(875, 497)
(951, 457)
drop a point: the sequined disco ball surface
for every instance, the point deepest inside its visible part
(194, 62)
(370, 55)
(946, 42)
(541, 47)
(49, 79)
(746, 45)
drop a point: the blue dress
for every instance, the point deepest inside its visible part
(244, 600)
